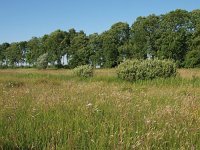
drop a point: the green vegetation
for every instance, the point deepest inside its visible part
(193, 57)
(48, 109)
(133, 70)
(83, 71)
(42, 61)
(64, 109)
(174, 35)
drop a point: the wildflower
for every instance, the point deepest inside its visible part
(148, 121)
(89, 104)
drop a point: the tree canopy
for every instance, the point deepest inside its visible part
(174, 35)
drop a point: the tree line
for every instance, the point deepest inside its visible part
(174, 35)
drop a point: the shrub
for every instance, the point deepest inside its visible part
(133, 70)
(42, 61)
(3, 66)
(83, 71)
(192, 59)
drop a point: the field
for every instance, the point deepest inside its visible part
(52, 109)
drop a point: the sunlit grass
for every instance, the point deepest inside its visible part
(52, 109)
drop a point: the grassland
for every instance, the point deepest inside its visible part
(52, 109)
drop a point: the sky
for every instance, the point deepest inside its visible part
(20, 20)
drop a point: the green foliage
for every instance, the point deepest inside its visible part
(3, 48)
(79, 52)
(143, 37)
(174, 34)
(95, 48)
(169, 36)
(133, 70)
(42, 61)
(54, 46)
(192, 59)
(112, 40)
(33, 50)
(83, 71)
(14, 53)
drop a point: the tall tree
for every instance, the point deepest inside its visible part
(23, 49)
(113, 39)
(79, 52)
(110, 51)
(144, 33)
(95, 48)
(3, 48)
(175, 31)
(34, 50)
(195, 19)
(65, 47)
(14, 54)
(174, 35)
(53, 44)
(193, 56)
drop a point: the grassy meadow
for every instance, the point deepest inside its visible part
(52, 109)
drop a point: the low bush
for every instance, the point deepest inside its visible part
(83, 71)
(3, 66)
(133, 70)
(42, 61)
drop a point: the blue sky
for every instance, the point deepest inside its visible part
(22, 19)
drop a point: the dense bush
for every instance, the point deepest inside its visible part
(42, 61)
(192, 59)
(3, 66)
(83, 71)
(132, 70)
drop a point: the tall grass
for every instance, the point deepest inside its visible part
(52, 110)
